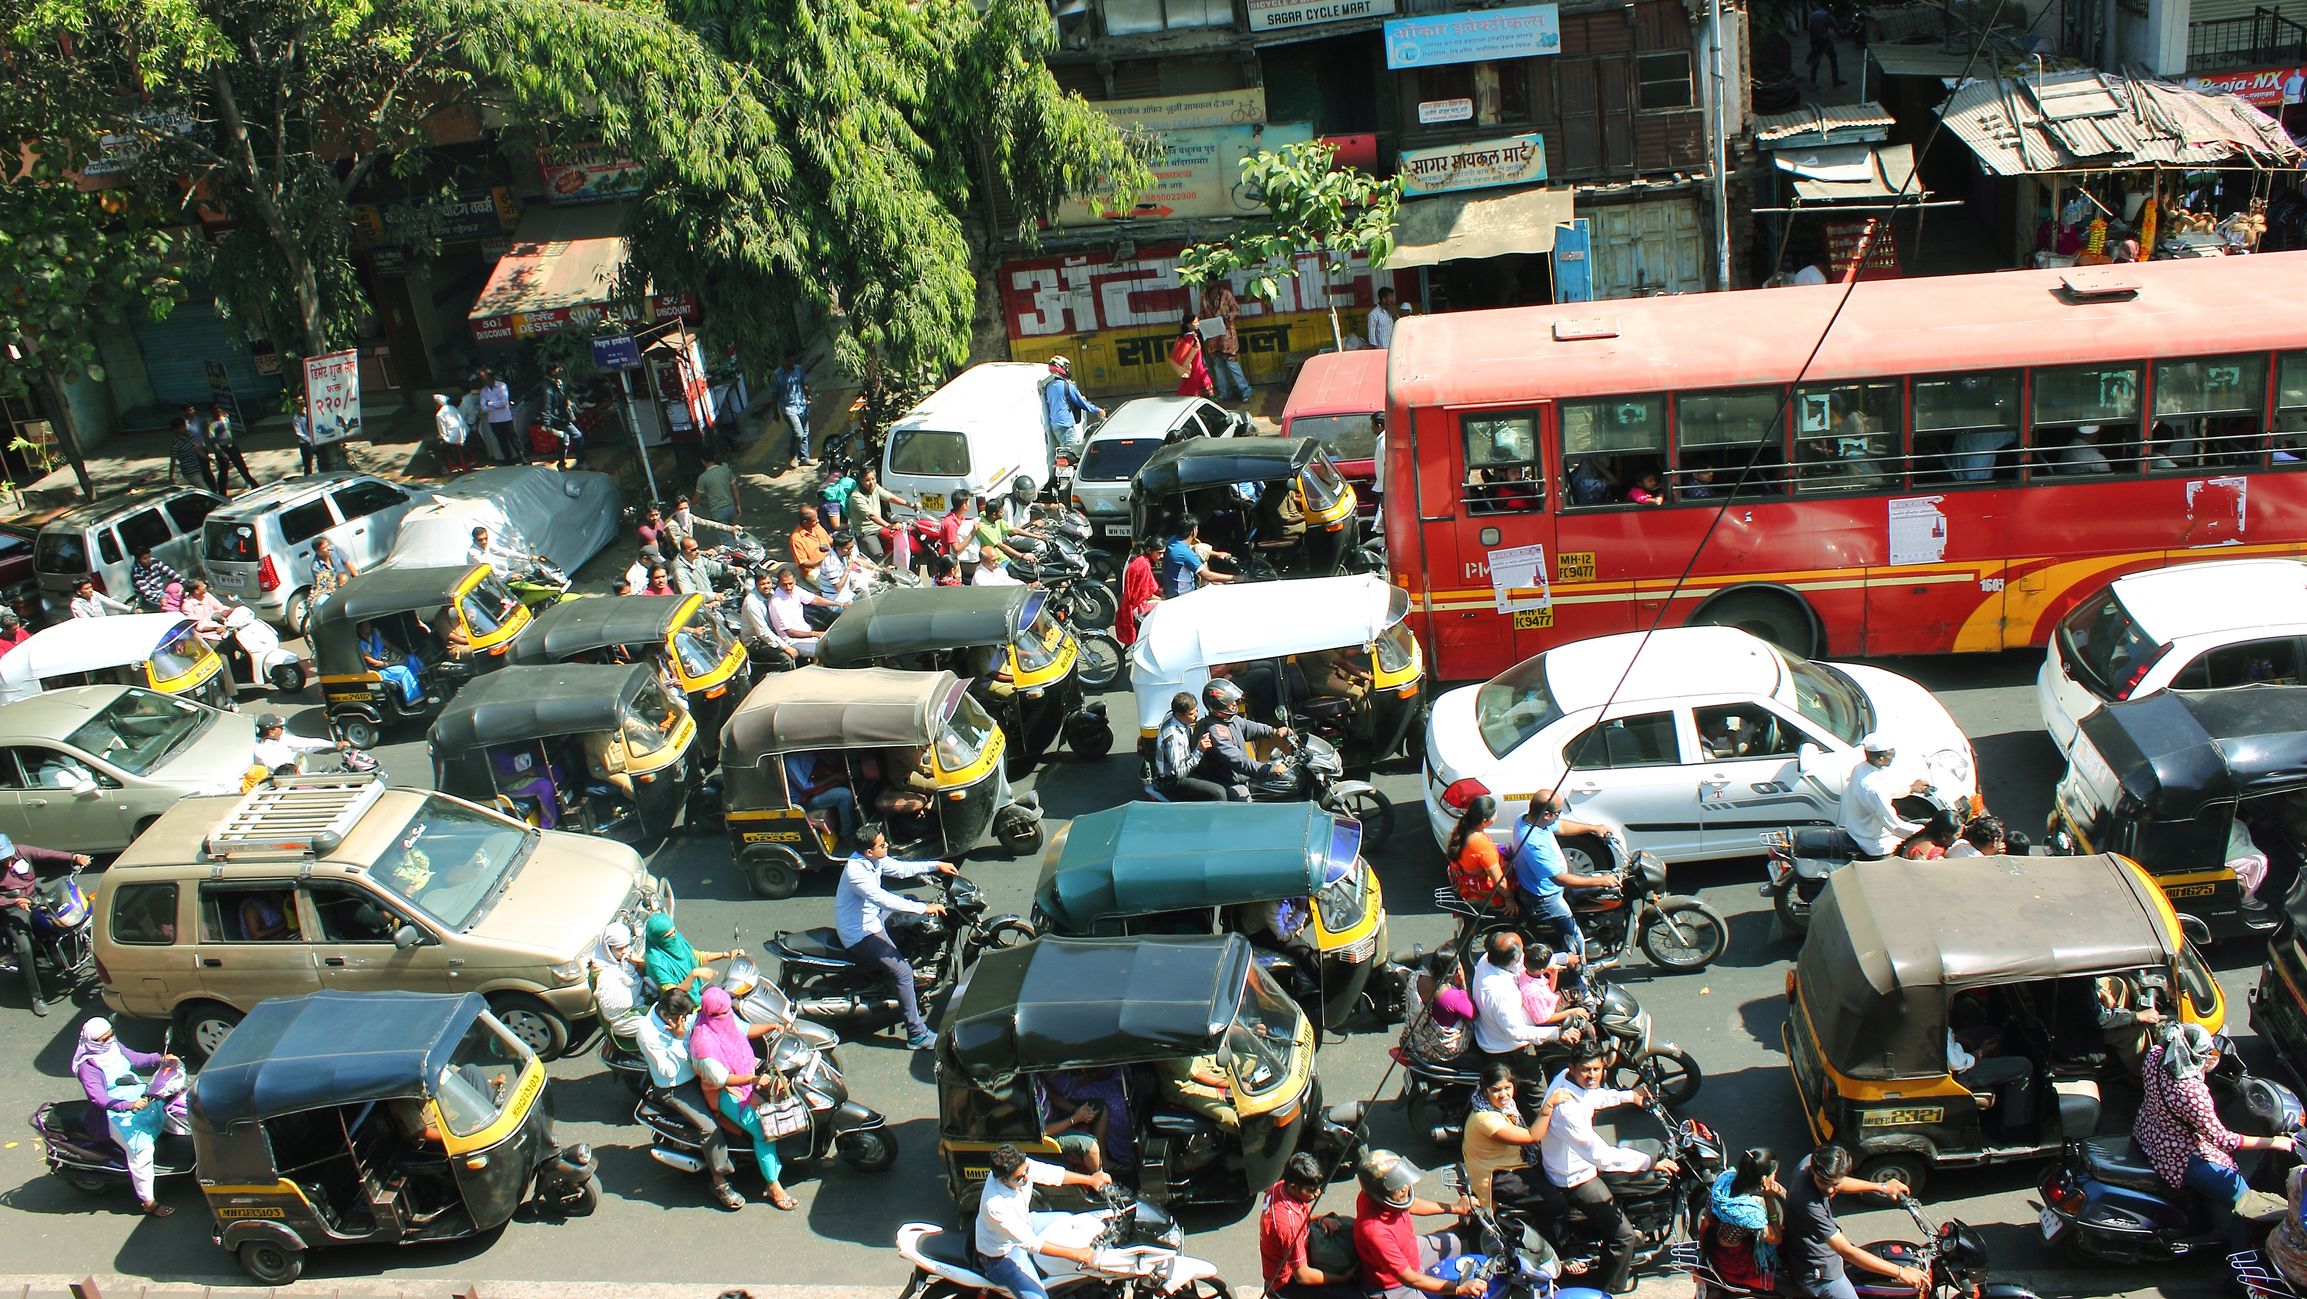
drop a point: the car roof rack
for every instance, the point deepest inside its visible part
(295, 817)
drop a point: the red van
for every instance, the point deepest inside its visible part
(1334, 399)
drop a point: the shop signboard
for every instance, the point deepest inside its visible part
(1845, 240)
(1478, 164)
(1198, 174)
(332, 396)
(1434, 112)
(1525, 31)
(118, 152)
(587, 174)
(1268, 15)
(2269, 88)
(617, 352)
(535, 324)
(1245, 107)
(469, 214)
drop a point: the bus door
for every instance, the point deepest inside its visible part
(1936, 579)
(1503, 536)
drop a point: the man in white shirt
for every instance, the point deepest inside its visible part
(1868, 814)
(1576, 1157)
(1503, 1029)
(1382, 317)
(786, 615)
(2081, 456)
(755, 631)
(664, 1043)
(88, 602)
(449, 426)
(1009, 1231)
(862, 909)
(497, 408)
(276, 748)
(504, 560)
(989, 571)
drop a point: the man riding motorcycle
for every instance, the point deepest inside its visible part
(1576, 1157)
(1226, 757)
(1869, 811)
(18, 883)
(1178, 753)
(864, 911)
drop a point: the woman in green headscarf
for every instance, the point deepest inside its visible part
(671, 962)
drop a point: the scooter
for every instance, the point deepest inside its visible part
(1802, 856)
(62, 949)
(756, 1001)
(1518, 1263)
(78, 1145)
(826, 983)
(1137, 1254)
(261, 649)
(2103, 1202)
(1952, 1253)
(1312, 772)
(539, 586)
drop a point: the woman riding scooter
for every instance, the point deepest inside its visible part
(100, 1062)
(2180, 1131)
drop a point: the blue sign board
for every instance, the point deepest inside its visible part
(1473, 36)
(619, 352)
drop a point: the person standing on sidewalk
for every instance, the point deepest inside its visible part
(790, 386)
(225, 447)
(497, 405)
(300, 423)
(450, 427)
(1223, 353)
(716, 489)
(188, 454)
(1822, 43)
(560, 418)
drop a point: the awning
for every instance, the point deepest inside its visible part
(564, 261)
(1850, 172)
(1933, 60)
(1464, 227)
(2096, 121)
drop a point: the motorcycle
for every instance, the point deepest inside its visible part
(1517, 1262)
(1061, 565)
(1312, 772)
(1661, 1207)
(1137, 1255)
(62, 949)
(539, 585)
(2103, 1202)
(754, 999)
(826, 983)
(1676, 933)
(1801, 857)
(260, 653)
(78, 1145)
(1952, 1253)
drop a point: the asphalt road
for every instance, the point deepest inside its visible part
(658, 1225)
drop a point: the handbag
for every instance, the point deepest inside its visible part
(783, 1117)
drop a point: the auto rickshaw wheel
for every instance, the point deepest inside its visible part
(202, 1026)
(1912, 1167)
(1019, 831)
(360, 733)
(872, 1151)
(773, 870)
(536, 1024)
(271, 1263)
(1089, 736)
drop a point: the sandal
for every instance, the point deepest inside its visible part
(730, 1200)
(782, 1200)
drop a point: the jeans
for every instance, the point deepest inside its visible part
(304, 457)
(18, 923)
(572, 443)
(1592, 1200)
(1825, 50)
(841, 801)
(688, 1101)
(508, 443)
(1017, 1272)
(1552, 912)
(2220, 1187)
(1837, 1286)
(1233, 382)
(894, 967)
(229, 459)
(1192, 789)
(797, 420)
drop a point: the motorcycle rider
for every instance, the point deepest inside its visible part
(1395, 1256)
(1226, 760)
(664, 1042)
(18, 882)
(1178, 753)
(697, 573)
(1541, 874)
(1576, 1157)
(1009, 1232)
(1285, 1230)
(1503, 1029)
(1869, 815)
(844, 576)
(864, 912)
(276, 748)
(1813, 1254)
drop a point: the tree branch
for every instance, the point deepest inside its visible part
(384, 105)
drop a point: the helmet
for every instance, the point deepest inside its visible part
(1023, 485)
(270, 721)
(1877, 742)
(1060, 364)
(1388, 1178)
(1222, 697)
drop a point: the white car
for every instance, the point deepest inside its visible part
(1125, 441)
(1710, 736)
(2228, 622)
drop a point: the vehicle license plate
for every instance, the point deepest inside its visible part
(1117, 529)
(2051, 1225)
(235, 581)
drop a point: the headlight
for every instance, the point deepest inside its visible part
(568, 971)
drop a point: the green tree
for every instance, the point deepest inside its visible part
(1313, 207)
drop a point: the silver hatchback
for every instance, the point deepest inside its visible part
(1124, 442)
(258, 547)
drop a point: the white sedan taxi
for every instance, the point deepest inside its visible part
(1692, 744)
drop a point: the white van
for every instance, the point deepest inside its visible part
(978, 433)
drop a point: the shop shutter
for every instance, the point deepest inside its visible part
(177, 352)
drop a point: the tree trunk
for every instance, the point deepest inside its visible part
(68, 430)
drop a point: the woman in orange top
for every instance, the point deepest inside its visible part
(1473, 858)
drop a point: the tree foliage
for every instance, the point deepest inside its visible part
(1312, 207)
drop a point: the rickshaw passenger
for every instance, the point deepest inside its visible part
(1087, 1112)
(819, 784)
(2125, 1018)
(396, 666)
(520, 771)
(1976, 1058)
(903, 798)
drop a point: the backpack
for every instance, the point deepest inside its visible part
(1330, 1247)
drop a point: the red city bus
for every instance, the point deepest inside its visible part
(1966, 457)
(1335, 399)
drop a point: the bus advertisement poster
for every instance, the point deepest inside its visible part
(1518, 578)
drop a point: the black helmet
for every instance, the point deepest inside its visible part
(1222, 697)
(1388, 1178)
(270, 722)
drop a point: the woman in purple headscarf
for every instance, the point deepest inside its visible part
(728, 1069)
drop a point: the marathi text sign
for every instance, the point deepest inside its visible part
(332, 396)
(1474, 36)
(2263, 88)
(1515, 160)
(469, 214)
(1064, 296)
(1197, 175)
(1245, 107)
(1267, 15)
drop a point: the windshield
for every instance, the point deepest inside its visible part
(2105, 648)
(61, 551)
(479, 1078)
(1396, 650)
(700, 646)
(228, 541)
(488, 606)
(1263, 1036)
(1115, 460)
(1321, 484)
(965, 736)
(1349, 437)
(140, 729)
(1513, 706)
(651, 721)
(449, 859)
(929, 453)
(1043, 638)
(177, 655)
(1829, 699)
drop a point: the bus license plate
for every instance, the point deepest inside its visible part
(1533, 619)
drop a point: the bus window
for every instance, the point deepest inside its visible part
(2207, 412)
(1966, 428)
(1847, 436)
(1727, 430)
(1502, 473)
(1608, 445)
(2290, 408)
(2086, 420)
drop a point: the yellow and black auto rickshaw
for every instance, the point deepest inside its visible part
(394, 643)
(912, 750)
(1005, 641)
(2013, 956)
(1287, 876)
(1144, 1028)
(599, 749)
(375, 1118)
(697, 654)
(1277, 505)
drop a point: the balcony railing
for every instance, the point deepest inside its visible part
(2266, 38)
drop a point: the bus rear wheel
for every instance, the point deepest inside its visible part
(1780, 619)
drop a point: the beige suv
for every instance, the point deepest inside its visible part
(337, 881)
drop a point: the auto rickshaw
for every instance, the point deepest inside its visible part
(1004, 640)
(158, 651)
(696, 652)
(1331, 654)
(443, 625)
(1277, 505)
(1287, 876)
(1899, 953)
(598, 749)
(912, 750)
(1126, 1018)
(375, 1118)
(2183, 782)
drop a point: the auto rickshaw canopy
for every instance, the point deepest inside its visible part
(1241, 621)
(574, 627)
(1144, 858)
(1074, 1003)
(1890, 941)
(327, 1049)
(87, 645)
(924, 620)
(2176, 752)
(839, 708)
(382, 592)
(533, 702)
(1210, 462)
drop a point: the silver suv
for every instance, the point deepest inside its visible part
(101, 541)
(258, 547)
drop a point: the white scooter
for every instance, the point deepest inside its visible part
(1136, 1255)
(268, 659)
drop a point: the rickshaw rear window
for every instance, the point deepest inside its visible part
(1116, 460)
(929, 453)
(449, 860)
(1263, 1036)
(479, 1078)
(1513, 706)
(1396, 650)
(141, 729)
(1349, 437)
(964, 738)
(2105, 648)
(177, 655)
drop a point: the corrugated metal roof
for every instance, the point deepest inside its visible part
(1814, 124)
(2089, 120)
(1853, 173)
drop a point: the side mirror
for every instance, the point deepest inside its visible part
(84, 787)
(2196, 929)
(408, 936)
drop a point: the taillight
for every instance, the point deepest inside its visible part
(1462, 792)
(2060, 1191)
(2139, 672)
(267, 576)
(1077, 504)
